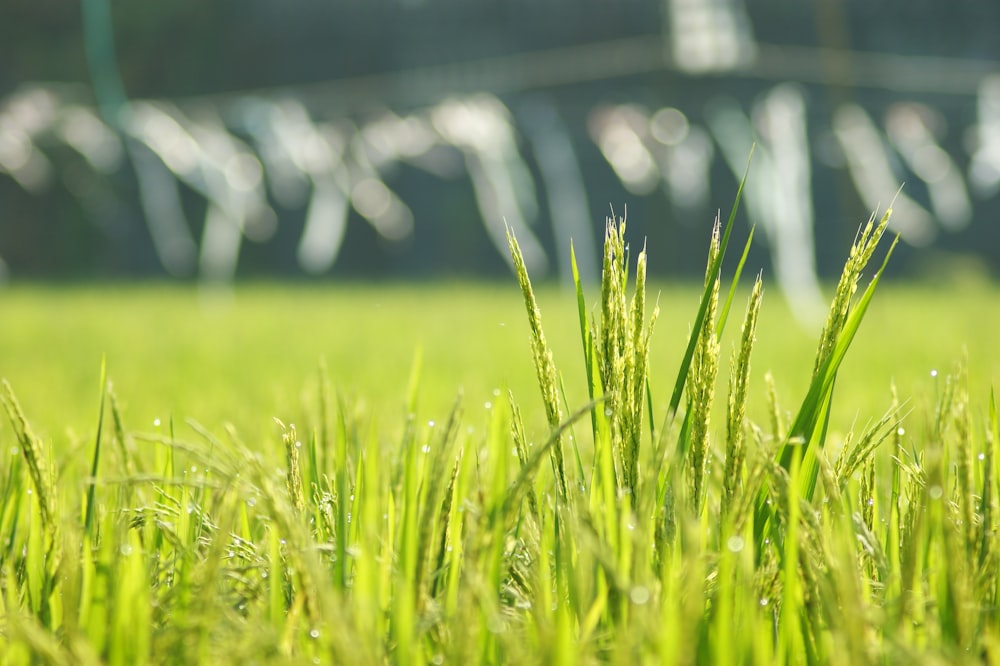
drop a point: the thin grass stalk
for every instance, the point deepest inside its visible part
(88, 520)
(521, 446)
(842, 324)
(43, 480)
(739, 385)
(642, 334)
(964, 466)
(522, 484)
(581, 475)
(611, 340)
(544, 365)
(320, 443)
(989, 553)
(34, 456)
(346, 437)
(705, 367)
(700, 318)
(586, 338)
(856, 454)
(636, 366)
(810, 426)
(434, 514)
(774, 408)
(293, 475)
(447, 530)
(861, 252)
(120, 433)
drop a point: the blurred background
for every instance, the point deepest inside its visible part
(393, 139)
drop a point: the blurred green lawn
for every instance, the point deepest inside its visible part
(253, 354)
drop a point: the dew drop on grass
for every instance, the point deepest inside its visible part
(14, 450)
(29, 491)
(639, 595)
(901, 431)
(935, 492)
(933, 373)
(426, 448)
(314, 633)
(437, 659)
(871, 501)
(125, 550)
(156, 423)
(298, 444)
(765, 601)
(496, 393)
(263, 574)
(735, 544)
(608, 412)
(981, 456)
(488, 405)
(430, 424)
(252, 501)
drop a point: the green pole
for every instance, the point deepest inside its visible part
(102, 63)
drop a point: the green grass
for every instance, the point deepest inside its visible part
(627, 512)
(256, 356)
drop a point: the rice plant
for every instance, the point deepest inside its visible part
(632, 528)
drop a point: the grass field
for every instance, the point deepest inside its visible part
(637, 500)
(255, 355)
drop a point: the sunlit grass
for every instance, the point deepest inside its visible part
(613, 485)
(255, 356)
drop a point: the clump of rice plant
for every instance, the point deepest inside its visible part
(655, 535)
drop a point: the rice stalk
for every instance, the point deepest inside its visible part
(43, 480)
(701, 392)
(621, 340)
(856, 454)
(774, 408)
(544, 365)
(739, 385)
(844, 319)
(293, 475)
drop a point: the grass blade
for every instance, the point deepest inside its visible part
(88, 521)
